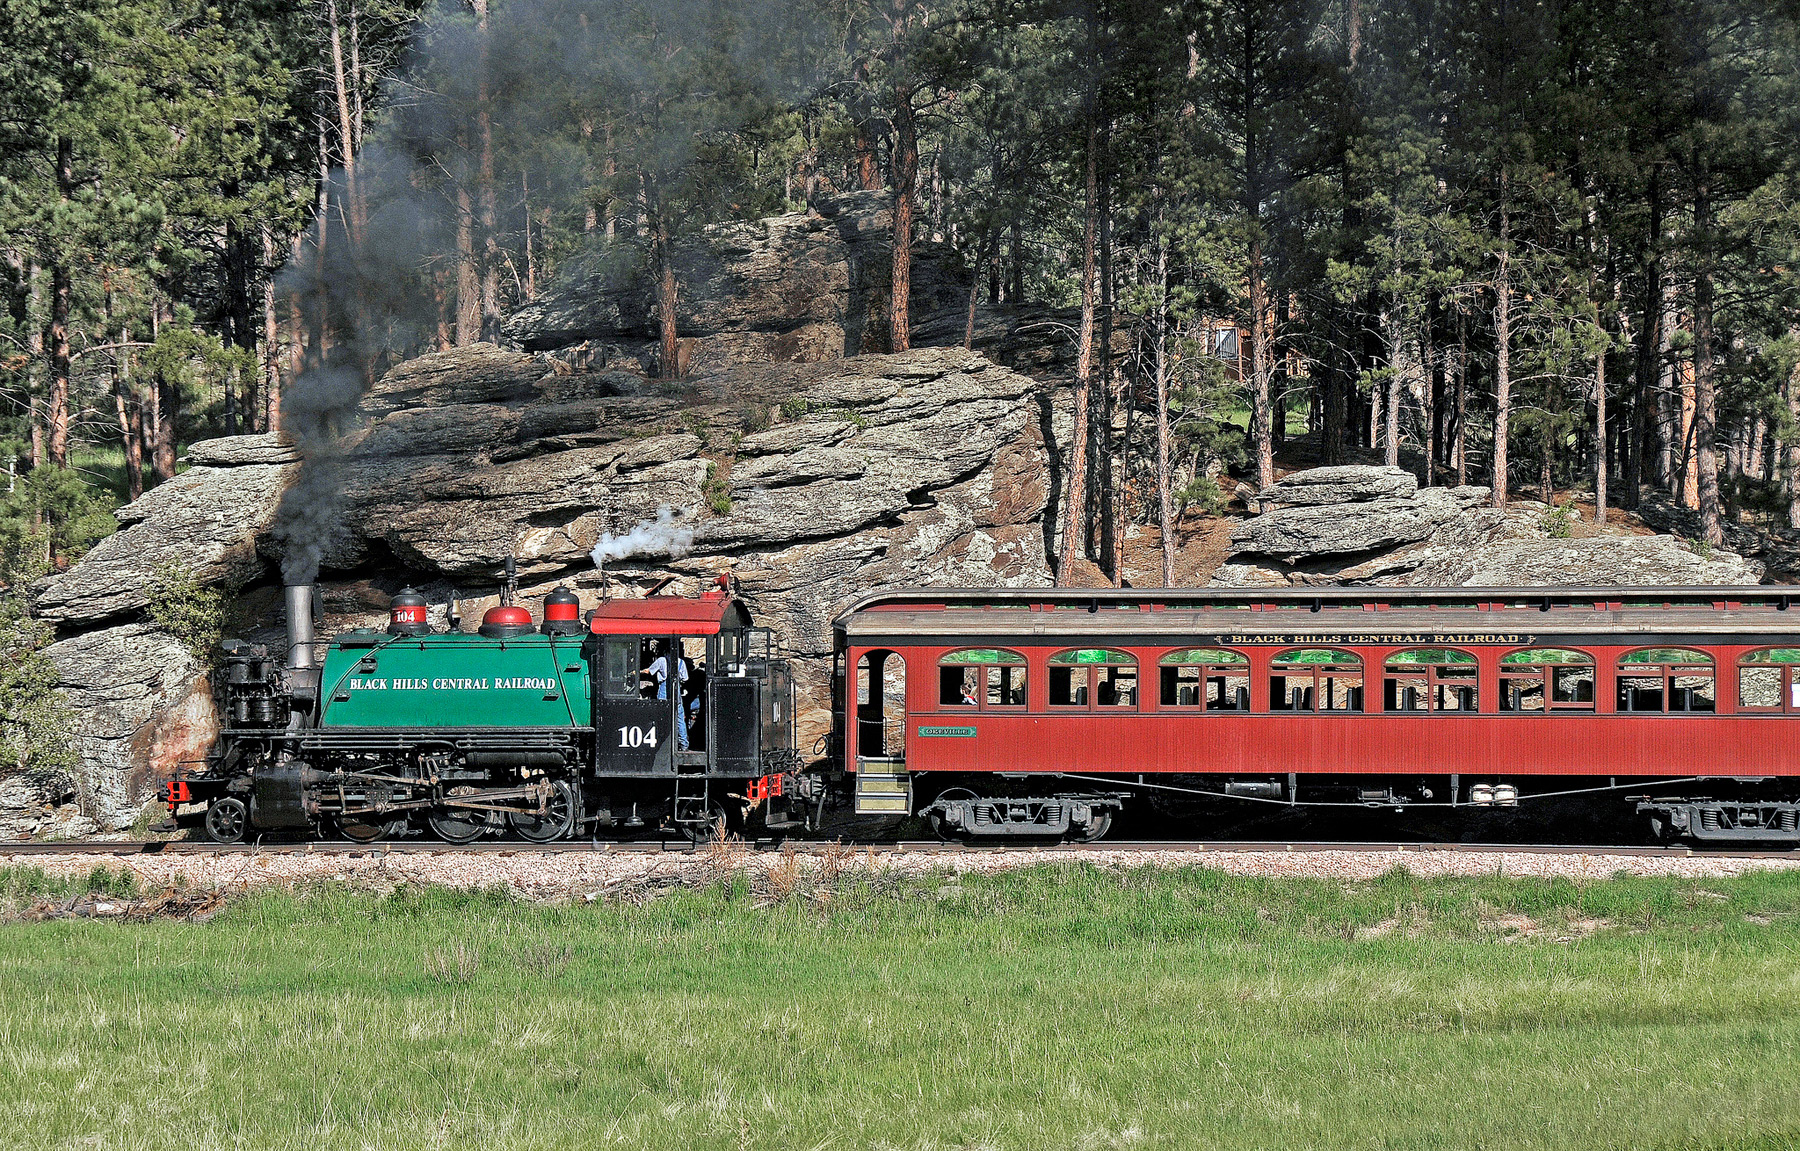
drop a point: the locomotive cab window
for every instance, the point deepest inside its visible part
(623, 659)
(1207, 678)
(1769, 680)
(1316, 679)
(982, 678)
(1547, 679)
(1093, 677)
(1429, 679)
(1672, 679)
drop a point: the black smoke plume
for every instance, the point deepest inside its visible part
(669, 81)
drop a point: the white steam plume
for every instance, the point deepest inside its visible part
(664, 535)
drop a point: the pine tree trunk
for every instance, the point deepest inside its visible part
(1074, 535)
(485, 193)
(318, 301)
(34, 350)
(1112, 540)
(1259, 366)
(1462, 403)
(1705, 406)
(131, 420)
(862, 144)
(240, 275)
(1391, 419)
(662, 258)
(168, 413)
(1792, 461)
(530, 255)
(1015, 291)
(1502, 351)
(151, 423)
(271, 356)
(61, 294)
(1280, 373)
(346, 128)
(1643, 382)
(1335, 402)
(906, 178)
(468, 295)
(981, 258)
(1433, 407)
(1600, 439)
(1164, 496)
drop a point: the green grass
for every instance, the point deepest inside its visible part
(1058, 1007)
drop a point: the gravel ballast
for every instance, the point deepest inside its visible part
(553, 875)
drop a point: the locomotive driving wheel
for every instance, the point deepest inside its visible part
(227, 819)
(459, 825)
(554, 822)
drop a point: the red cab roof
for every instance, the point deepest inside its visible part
(669, 615)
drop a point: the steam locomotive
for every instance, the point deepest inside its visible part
(665, 712)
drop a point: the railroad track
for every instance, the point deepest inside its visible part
(880, 847)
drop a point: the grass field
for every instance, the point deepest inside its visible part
(1056, 1007)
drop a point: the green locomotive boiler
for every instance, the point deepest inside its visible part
(662, 713)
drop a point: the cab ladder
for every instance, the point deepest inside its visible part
(693, 794)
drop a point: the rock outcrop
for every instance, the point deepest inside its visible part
(1375, 525)
(809, 483)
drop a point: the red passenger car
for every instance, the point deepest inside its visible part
(1041, 712)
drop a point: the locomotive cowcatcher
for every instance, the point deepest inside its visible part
(661, 713)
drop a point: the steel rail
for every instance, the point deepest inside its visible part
(125, 848)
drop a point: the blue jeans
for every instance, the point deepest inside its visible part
(681, 737)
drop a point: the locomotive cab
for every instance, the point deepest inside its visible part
(675, 686)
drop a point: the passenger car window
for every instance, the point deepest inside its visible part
(1316, 679)
(1429, 679)
(1658, 679)
(982, 678)
(1212, 679)
(1769, 680)
(1542, 680)
(1093, 677)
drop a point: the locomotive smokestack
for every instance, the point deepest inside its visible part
(300, 625)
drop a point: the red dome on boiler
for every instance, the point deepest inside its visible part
(505, 622)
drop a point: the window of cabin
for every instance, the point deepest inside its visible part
(1546, 679)
(1429, 679)
(1316, 679)
(1205, 677)
(1769, 680)
(982, 678)
(1657, 679)
(1093, 677)
(622, 663)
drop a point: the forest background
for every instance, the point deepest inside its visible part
(1519, 243)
